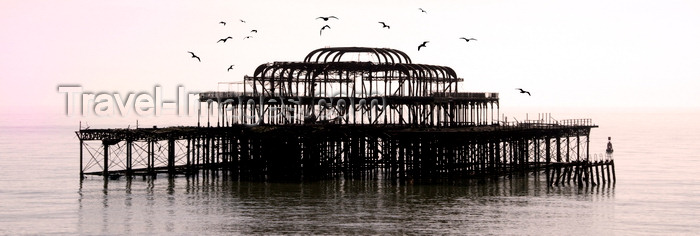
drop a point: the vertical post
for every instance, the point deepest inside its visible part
(82, 174)
(558, 149)
(105, 168)
(151, 156)
(612, 165)
(497, 157)
(171, 156)
(536, 143)
(205, 151)
(189, 155)
(128, 157)
(588, 147)
(212, 151)
(547, 152)
(578, 147)
(148, 155)
(568, 149)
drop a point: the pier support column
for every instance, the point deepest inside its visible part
(105, 167)
(129, 162)
(82, 173)
(189, 155)
(588, 148)
(171, 156)
(612, 165)
(150, 156)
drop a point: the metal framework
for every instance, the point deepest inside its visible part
(338, 85)
(352, 112)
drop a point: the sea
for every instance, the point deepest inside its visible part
(657, 191)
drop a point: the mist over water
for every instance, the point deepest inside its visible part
(657, 192)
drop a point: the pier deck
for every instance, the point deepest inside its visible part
(320, 151)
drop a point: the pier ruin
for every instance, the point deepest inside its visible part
(351, 112)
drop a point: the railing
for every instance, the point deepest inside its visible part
(576, 122)
(553, 123)
(229, 94)
(465, 95)
(224, 94)
(600, 157)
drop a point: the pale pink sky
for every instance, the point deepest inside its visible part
(567, 53)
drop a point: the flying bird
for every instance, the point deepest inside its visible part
(523, 91)
(422, 45)
(223, 23)
(230, 68)
(322, 28)
(242, 20)
(467, 39)
(421, 9)
(247, 37)
(195, 56)
(325, 18)
(224, 39)
(254, 31)
(384, 25)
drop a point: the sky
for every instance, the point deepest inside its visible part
(568, 54)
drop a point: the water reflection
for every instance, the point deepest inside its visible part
(216, 203)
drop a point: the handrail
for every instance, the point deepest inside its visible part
(542, 123)
(227, 94)
(465, 95)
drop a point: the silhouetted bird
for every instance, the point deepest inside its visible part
(230, 68)
(254, 31)
(242, 21)
(384, 25)
(422, 45)
(224, 39)
(325, 18)
(322, 28)
(421, 9)
(523, 91)
(195, 56)
(247, 37)
(467, 39)
(223, 23)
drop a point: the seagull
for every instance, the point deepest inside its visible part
(224, 39)
(223, 23)
(195, 56)
(384, 25)
(467, 39)
(254, 31)
(322, 28)
(523, 91)
(421, 9)
(325, 18)
(247, 37)
(422, 45)
(230, 68)
(242, 20)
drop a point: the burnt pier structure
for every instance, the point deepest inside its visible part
(351, 113)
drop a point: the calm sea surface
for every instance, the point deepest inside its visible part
(657, 157)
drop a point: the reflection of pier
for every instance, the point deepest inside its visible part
(329, 117)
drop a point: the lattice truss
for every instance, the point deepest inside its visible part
(144, 155)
